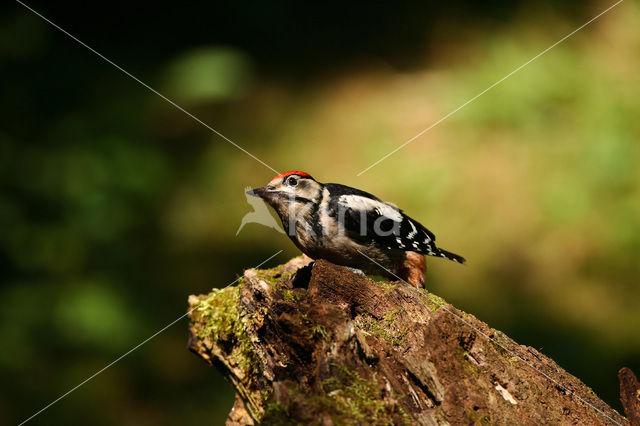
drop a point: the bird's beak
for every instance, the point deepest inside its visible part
(257, 192)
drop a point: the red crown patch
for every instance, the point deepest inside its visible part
(293, 172)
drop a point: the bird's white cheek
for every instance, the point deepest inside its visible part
(287, 193)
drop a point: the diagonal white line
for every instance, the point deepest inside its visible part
(491, 87)
(482, 333)
(132, 349)
(147, 86)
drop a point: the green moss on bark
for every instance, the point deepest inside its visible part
(432, 301)
(355, 399)
(385, 328)
(223, 325)
(347, 398)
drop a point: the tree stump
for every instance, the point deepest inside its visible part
(318, 344)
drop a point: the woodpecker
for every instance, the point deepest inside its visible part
(350, 227)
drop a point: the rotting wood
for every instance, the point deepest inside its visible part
(322, 345)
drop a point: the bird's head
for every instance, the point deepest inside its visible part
(289, 190)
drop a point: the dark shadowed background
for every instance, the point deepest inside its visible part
(115, 206)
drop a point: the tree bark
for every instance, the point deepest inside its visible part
(318, 344)
(630, 395)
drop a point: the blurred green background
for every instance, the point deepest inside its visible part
(115, 206)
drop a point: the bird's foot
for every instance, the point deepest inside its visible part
(356, 271)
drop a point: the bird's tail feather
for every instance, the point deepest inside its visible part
(451, 256)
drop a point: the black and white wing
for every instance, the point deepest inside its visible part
(368, 219)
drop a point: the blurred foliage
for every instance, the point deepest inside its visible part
(207, 75)
(115, 205)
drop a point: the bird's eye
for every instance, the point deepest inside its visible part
(292, 181)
